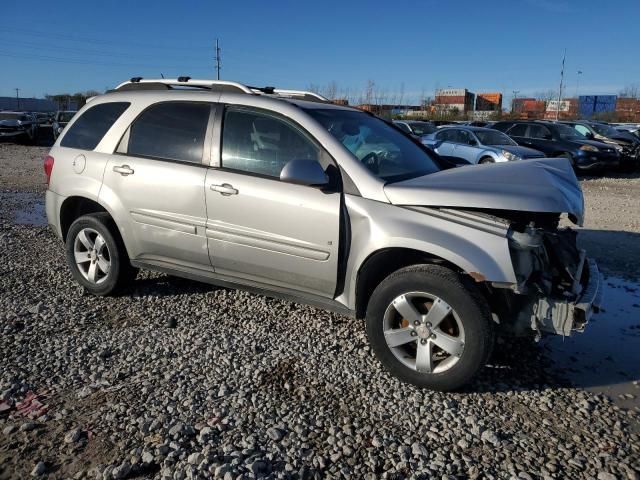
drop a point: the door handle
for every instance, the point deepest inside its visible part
(123, 170)
(224, 189)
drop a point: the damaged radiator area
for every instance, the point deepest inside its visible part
(558, 286)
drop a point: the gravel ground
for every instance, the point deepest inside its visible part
(182, 380)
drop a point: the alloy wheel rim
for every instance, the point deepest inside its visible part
(92, 255)
(423, 332)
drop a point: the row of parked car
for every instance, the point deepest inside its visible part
(25, 126)
(588, 145)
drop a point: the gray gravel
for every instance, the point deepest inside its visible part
(179, 380)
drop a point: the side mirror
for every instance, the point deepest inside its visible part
(304, 172)
(589, 135)
(547, 136)
(473, 142)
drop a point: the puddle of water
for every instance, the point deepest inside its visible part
(606, 357)
(25, 208)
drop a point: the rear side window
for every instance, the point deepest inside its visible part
(170, 131)
(87, 131)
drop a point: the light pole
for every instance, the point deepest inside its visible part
(513, 100)
(17, 99)
(578, 82)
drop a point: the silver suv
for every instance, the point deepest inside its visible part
(283, 193)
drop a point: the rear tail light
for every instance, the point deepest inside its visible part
(48, 167)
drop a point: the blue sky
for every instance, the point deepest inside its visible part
(67, 46)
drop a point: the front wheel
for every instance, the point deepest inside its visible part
(428, 328)
(97, 257)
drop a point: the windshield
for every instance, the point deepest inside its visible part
(65, 116)
(385, 151)
(493, 137)
(422, 128)
(12, 116)
(569, 133)
(604, 130)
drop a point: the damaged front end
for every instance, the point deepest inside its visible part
(558, 288)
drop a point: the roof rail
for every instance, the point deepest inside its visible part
(139, 83)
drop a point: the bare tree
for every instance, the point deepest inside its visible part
(631, 91)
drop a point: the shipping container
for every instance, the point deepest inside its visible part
(450, 99)
(588, 105)
(488, 101)
(451, 92)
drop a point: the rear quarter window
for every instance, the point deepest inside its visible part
(87, 131)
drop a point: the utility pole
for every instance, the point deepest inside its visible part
(513, 100)
(218, 59)
(17, 99)
(560, 90)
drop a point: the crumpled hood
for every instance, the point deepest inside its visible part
(546, 185)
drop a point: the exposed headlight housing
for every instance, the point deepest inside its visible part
(510, 156)
(589, 148)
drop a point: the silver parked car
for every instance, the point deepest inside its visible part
(283, 193)
(478, 145)
(60, 120)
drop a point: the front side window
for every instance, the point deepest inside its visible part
(518, 130)
(387, 153)
(567, 133)
(262, 144)
(170, 131)
(87, 131)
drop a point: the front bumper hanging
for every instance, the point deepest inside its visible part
(563, 316)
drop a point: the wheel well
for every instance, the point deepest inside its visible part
(379, 265)
(74, 207)
(486, 157)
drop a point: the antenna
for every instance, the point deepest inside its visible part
(218, 59)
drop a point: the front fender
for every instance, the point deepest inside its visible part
(487, 153)
(478, 247)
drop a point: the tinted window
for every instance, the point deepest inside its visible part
(518, 130)
(464, 137)
(173, 131)
(258, 143)
(87, 131)
(539, 131)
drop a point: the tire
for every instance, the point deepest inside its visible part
(437, 292)
(486, 160)
(105, 269)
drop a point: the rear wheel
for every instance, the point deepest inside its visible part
(428, 328)
(97, 257)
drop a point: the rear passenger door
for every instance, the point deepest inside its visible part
(262, 230)
(156, 180)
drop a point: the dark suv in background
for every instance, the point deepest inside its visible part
(627, 144)
(558, 140)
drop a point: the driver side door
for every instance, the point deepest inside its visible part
(261, 230)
